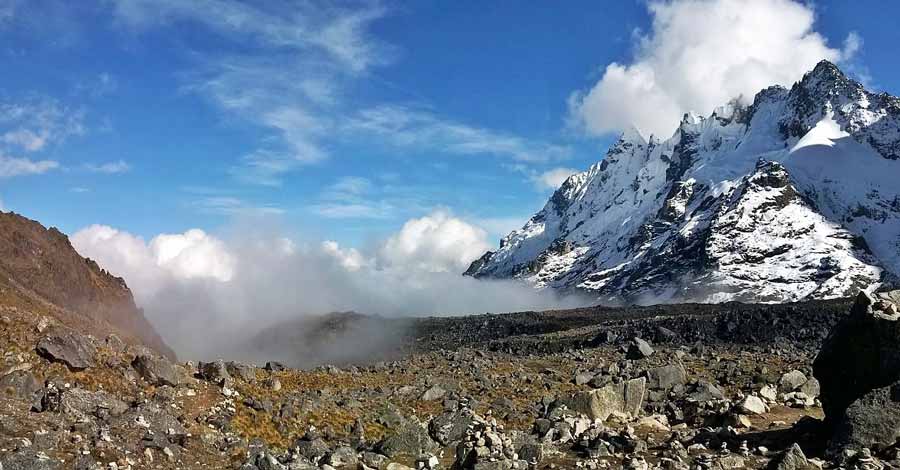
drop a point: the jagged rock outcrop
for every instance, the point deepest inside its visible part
(40, 270)
(858, 370)
(791, 197)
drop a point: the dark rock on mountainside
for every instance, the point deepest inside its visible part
(39, 267)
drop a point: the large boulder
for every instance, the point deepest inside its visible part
(408, 438)
(158, 371)
(624, 397)
(215, 372)
(872, 421)
(666, 377)
(76, 351)
(860, 354)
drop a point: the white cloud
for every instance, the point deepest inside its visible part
(552, 179)
(193, 254)
(437, 242)
(179, 281)
(168, 258)
(110, 168)
(350, 258)
(700, 54)
(12, 166)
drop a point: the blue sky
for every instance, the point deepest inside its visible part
(344, 120)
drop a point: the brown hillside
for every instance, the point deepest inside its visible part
(40, 266)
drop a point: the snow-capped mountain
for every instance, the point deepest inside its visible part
(795, 196)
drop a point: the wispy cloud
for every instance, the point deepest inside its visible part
(119, 166)
(298, 60)
(295, 59)
(352, 197)
(234, 206)
(102, 84)
(12, 166)
(408, 127)
(33, 123)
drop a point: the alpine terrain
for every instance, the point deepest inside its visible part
(795, 196)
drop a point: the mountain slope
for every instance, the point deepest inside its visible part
(794, 196)
(39, 270)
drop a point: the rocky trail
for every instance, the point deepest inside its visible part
(679, 386)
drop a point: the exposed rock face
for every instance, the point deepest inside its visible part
(858, 372)
(39, 264)
(790, 198)
(862, 353)
(872, 421)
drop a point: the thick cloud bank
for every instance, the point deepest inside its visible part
(207, 296)
(699, 55)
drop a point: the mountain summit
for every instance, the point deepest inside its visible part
(792, 197)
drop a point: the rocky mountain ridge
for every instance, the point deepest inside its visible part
(791, 197)
(40, 271)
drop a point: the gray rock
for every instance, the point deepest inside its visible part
(406, 439)
(434, 393)
(241, 371)
(343, 457)
(872, 421)
(791, 381)
(705, 391)
(861, 353)
(532, 452)
(666, 377)
(82, 404)
(752, 405)
(312, 447)
(21, 385)
(157, 371)
(639, 349)
(791, 459)
(451, 426)
(76, 351)
(624, 397)
(215, 372)
(27, 459)
(811, 388)
(583, 378)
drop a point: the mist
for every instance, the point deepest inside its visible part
(211, 298)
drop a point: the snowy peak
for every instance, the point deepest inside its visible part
(792, 197)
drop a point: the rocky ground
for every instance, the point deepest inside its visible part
(684, 386)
